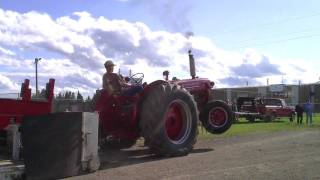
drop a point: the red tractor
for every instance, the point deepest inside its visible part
(165, 114)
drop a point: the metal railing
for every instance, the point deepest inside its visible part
(16, 96)
(10, 96)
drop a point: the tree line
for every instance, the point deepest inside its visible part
(67, 95)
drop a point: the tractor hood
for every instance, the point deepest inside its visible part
(195, 84)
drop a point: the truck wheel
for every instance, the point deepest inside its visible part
(291, 117)
(216, 117)
(251, 119)
(168, 120)
(270, 117)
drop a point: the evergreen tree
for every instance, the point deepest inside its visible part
(88, 99)
(43, 93)
(60, 96)
(72, 95)
(66, 95)
(95, 98)
(79, 97)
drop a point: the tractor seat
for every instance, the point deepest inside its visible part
(104, 99)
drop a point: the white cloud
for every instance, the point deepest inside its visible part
(75, 47)
(6, 52)
(7, 85)
(296, 70)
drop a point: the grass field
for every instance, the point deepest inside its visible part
(244, 127)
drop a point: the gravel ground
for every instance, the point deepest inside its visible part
(281, 155)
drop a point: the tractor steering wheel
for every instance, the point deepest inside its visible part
(137, 78)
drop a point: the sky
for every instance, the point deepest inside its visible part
(234, 43)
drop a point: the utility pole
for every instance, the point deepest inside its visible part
(36, 60)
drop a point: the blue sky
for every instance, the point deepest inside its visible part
(231, 24)
(243, 33)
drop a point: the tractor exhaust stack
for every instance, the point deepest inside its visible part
(192, 65)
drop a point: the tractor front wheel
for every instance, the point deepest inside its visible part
(168, 120)
(216, 117)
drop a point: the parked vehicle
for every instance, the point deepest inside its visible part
(267, 109)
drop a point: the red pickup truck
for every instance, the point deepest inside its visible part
(267, 109)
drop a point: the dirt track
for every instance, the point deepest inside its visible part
(281, 155)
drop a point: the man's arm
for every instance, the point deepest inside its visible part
(122, 82)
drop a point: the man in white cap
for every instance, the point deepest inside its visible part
(114, 84)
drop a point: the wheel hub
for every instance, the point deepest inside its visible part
(174, 122)
(177, 121)
(218, 117)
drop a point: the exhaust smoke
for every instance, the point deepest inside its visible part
(192, 66)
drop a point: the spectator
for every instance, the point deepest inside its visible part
(308, 108)
(234, 109)
(299, 111)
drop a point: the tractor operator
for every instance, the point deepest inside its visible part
(115, 85)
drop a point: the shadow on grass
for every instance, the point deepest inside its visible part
(313, 125)
(258, 121)
(113, 159)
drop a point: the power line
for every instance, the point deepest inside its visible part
(245, 41)
(280, 41)
(270, 23)
(289, 33)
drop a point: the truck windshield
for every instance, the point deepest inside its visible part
(273, 102)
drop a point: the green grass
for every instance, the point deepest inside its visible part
(259, 127)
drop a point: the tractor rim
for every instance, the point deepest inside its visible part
(178, 121)
(218, 117)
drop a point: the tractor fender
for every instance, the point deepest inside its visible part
(148, 88)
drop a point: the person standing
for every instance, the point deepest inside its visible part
(308, 108)
(299, 111)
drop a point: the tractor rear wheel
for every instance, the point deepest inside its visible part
(168, 120)
(216, 117)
